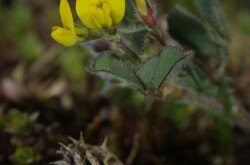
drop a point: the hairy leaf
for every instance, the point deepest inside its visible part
(139, 40)
(106, 62)
(186, 29)
(211, 11)
(154, 71)
(133, 30)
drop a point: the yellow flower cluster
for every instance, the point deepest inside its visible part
(94, 14)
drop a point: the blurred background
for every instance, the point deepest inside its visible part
(46, 95)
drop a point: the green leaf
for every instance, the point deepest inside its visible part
(186, 29)
(106, 62)
(103, 63)
(149, 75)
(133, 30)
(154, 71)
(212, 12)
(138, 40)
(147, 70)
(137, 37)
(124, 69)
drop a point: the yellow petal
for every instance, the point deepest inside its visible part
(107, 11)
(101, 15)
(83, 12)
(117, 10)
(66, 15)
(98, 16)
(63, 36)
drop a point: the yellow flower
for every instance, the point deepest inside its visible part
(65, 35)
(100, 13)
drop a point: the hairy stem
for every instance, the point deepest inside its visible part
(155, 32)
(126, 46)
(240, 116)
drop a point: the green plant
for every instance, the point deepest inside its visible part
(138, 55)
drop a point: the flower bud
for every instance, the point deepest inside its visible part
(142, 7)
(146, 12)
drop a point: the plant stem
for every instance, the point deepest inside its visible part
(240, 115)
(157, 35)
(125, 45)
